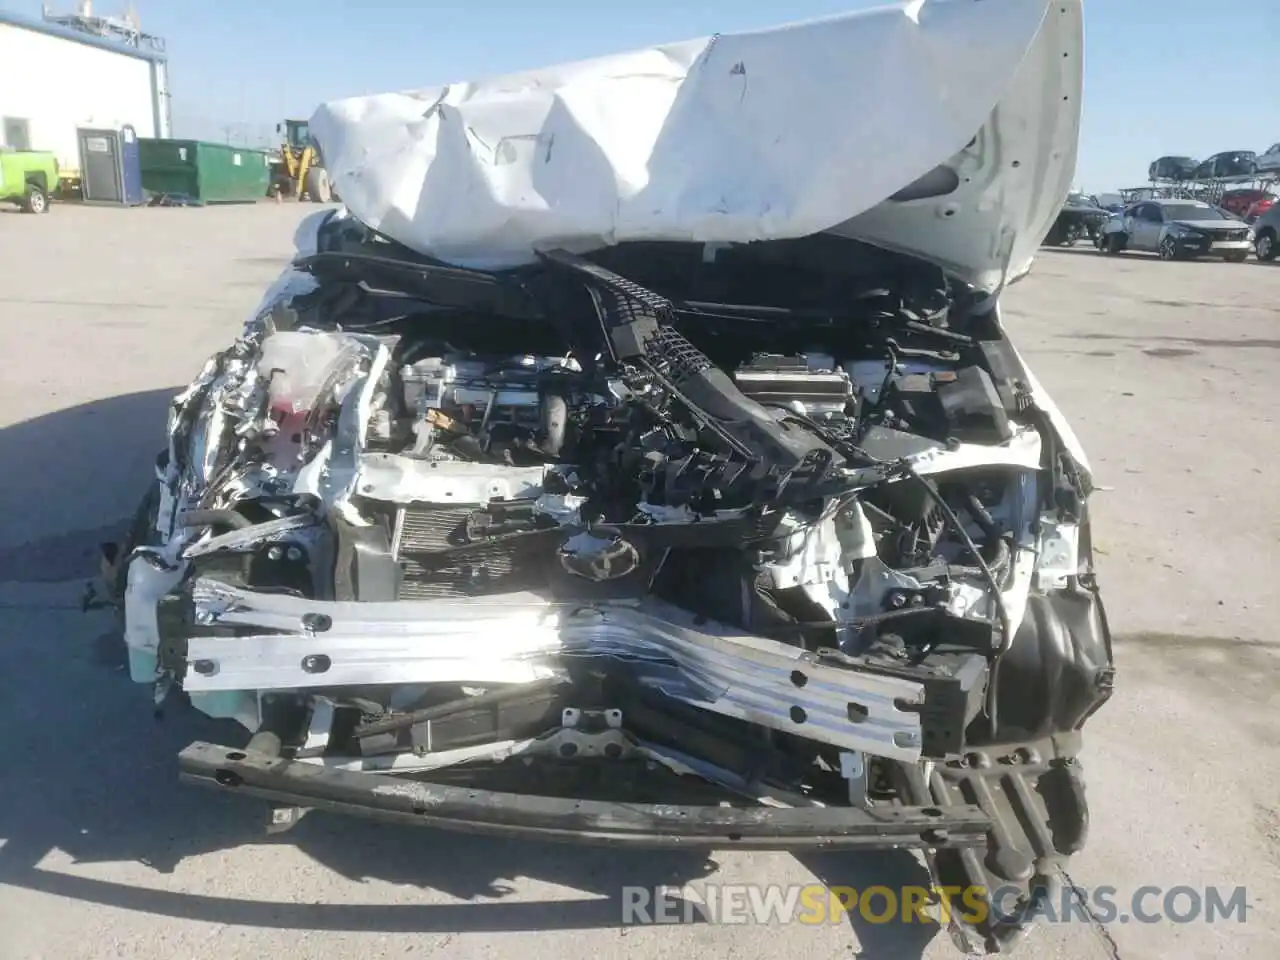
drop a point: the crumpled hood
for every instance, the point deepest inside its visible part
(772, 134)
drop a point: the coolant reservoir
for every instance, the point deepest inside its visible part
(303, 370)
(300, 366)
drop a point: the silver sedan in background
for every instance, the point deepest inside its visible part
(1177, 230)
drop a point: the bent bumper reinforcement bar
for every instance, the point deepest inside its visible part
(520, 638)
(462, 809)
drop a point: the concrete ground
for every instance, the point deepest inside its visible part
(1168, 370)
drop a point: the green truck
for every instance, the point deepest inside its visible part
(28, 178)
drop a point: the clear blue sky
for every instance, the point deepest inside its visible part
(1161, 76)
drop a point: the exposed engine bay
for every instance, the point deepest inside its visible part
(781, 527)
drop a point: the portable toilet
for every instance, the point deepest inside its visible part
(110, 166)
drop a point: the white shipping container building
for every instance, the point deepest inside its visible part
(55, 79)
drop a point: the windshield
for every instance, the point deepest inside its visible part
(298, 133)
(1190, 211)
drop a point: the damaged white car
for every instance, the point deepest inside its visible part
(640, 458)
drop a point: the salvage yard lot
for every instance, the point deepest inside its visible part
(1168, 371)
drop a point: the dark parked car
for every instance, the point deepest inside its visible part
(1081, 216)
(1269, 162)
(1172, 168)
(1230, 163)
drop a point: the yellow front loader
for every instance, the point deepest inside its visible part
(300, 171)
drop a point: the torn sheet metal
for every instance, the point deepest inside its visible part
(771, 134)
(332, 474)
(282, 530)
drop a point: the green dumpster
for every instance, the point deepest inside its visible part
(205, 172)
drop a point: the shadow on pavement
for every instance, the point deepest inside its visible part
(1251, 343)
(91, 774)
(72, 479)
(1091, 251)
(1082, 248)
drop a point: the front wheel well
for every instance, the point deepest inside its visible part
(38, 178)
(1114, 241)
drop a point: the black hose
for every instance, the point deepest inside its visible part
(1002, 612)
(950, 516)
(1001, 558)
(889, 374)
(850, 450)
(491, 698)
(981, 516)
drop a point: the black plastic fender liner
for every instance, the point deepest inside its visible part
(382, 797)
